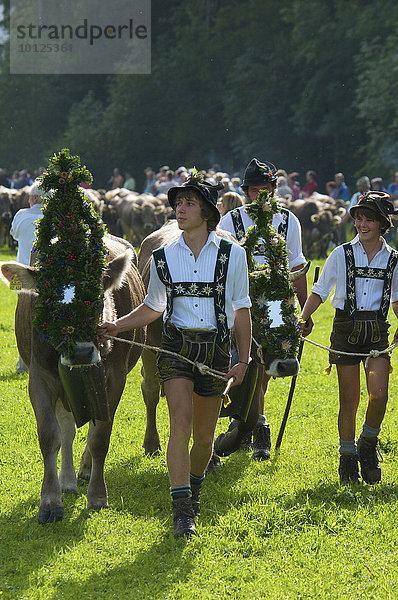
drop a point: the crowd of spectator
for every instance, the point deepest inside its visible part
(161, 180)
(18, 179)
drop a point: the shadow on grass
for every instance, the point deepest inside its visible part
(26, 545)
(331, 495)
(151, 573)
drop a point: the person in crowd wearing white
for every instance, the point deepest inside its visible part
(23, 228)
(365, 277)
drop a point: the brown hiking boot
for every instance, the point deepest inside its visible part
(367, 456)
(195, 488)
(261, 442)
(348, 469)
(184, 518)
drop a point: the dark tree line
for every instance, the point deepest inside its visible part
(303, 83)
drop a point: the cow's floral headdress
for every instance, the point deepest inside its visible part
(270, 281)
(70, 258)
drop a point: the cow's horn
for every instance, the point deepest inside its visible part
(295, 275)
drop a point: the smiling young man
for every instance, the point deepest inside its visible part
(365, 277)
(200, 284)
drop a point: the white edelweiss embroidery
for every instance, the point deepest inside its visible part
(261, 301)
(207, 290)
(351, 295)
(286, 345)
(193, 288)
(219, 288)
(223, 258)
(180, 289)
(371, 273)
(221, 318)
(161, 263)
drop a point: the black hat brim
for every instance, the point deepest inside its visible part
(172, 193)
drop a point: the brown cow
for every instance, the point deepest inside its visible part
(139, 215)
(56, 428)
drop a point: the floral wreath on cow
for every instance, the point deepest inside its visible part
(70, 258)
(269, 283)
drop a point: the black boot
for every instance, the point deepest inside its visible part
(195, 488)
(348, 469)
(367, 455)
(246, 443)
(184, 518)
(261, 442)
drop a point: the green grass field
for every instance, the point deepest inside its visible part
(284, 529)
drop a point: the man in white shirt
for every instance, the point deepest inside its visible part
(200, 283)
(23, 228)
(263, 176)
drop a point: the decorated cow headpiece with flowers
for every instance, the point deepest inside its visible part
(70, 258)
(273, 299)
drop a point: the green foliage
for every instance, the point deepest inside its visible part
(71, 255)
(303, 83)
(270, 281)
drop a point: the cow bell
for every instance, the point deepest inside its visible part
(83, 379)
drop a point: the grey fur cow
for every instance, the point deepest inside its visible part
(56, 428)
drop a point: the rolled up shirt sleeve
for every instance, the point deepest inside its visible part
(156, 296)
(394, 285)
(328, 278)
(293, 241)
(240, 280)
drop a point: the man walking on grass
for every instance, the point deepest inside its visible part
(200, 284)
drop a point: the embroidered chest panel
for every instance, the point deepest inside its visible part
(369, 273)
(209, 289)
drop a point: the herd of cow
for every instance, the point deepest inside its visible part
(134, 216)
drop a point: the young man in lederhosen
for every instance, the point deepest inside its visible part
(365, 277)
(200, 284)
(263, 176)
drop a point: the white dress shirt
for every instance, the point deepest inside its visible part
(368, 291)
(23, 229)
(293, 238)
(194, 312)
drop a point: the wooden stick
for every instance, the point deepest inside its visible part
(292, 387)
(228, 387)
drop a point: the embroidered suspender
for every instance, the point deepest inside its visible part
(370, 273)
(282, 229)
(238, 224)
(208, 289)
(240, 229)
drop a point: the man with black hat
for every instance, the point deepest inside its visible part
(200, 284)
(263, 176)
(365, 277)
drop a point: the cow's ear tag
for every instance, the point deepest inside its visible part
(16, 283)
